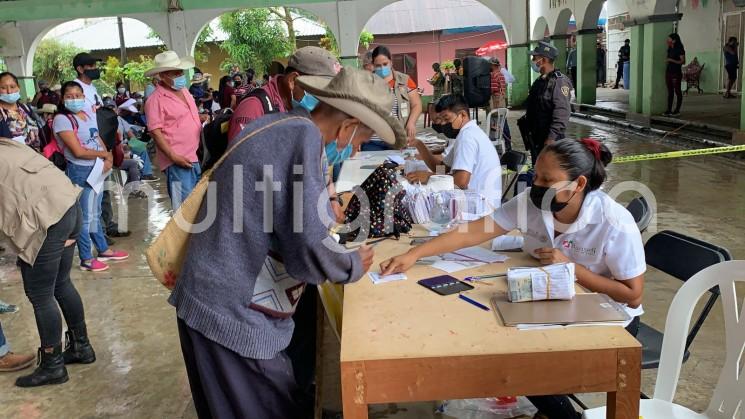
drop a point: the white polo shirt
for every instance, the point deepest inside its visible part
(474, 153)
(604, 239)
(92, 99)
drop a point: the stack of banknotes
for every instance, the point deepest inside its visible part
(552, 282)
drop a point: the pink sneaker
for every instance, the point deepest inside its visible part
(113, 255)
(94, 265)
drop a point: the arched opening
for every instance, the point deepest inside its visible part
(420, 33)
(540, 29)
(243, 39)
(50, 55)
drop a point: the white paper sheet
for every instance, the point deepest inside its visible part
(451, 266)
(540, 326)
(396, 159)
(377, 279)
(480, 254)
(97, 177)
(507, 243)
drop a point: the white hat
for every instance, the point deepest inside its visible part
(169, 60)
(129, 105)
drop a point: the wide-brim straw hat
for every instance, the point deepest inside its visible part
(168, 61)
(362, 95)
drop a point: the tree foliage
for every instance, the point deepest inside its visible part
(328, 41)
(53, 61)
(254, 38)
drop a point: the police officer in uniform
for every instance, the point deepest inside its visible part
(548, 109)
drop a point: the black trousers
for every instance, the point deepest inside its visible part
(674, 81)
(302, 350)
(560, 407)
(619, 73)
(107, 214)
(224, 385)
(47, 283)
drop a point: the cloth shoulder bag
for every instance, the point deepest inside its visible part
(166, 254)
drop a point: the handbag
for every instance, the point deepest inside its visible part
(166, 254)
(386, 213)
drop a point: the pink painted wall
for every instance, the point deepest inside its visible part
(434, 47)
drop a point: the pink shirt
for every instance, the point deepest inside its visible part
(251, 108)
(178, 122)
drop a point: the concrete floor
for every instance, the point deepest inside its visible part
(140, 372)
(710, 108)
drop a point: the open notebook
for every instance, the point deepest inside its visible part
(583, 309)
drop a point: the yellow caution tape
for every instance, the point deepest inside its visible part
(678, 154)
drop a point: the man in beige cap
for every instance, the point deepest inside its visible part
(240, 284)
(173, 122)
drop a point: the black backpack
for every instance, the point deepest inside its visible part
(215, 134)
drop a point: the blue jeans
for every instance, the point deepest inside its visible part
(181, 181)
(91, 232)
(147, 168)
(4, 346)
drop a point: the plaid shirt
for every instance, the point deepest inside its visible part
(498, 83)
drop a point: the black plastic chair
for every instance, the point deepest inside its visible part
(514, 161)
(639, 209)
(682, 257)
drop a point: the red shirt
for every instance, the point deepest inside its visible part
(498, 83)
(251, 108)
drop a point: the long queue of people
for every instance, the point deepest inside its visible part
(242, 355)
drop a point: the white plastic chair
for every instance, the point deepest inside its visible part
(495, 132)
(730, 390)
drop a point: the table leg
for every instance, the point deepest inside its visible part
(353, 390)
(624, 403)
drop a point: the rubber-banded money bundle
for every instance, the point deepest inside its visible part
(552, 282)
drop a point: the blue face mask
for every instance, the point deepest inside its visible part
(383, 72)
(179, 82)
(74, 105)
(10, 97)
(535, 67)
(309, 102)
(334, 155)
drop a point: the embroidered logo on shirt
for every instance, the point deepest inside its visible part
(587, 251)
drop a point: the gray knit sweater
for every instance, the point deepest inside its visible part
(215, 287)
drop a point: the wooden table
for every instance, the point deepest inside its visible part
(403, 343)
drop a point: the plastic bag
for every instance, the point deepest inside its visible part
(489, 408)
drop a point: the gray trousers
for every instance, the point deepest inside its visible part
(225, 385)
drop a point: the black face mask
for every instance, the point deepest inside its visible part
(94, 74)
(449, 131)
(538, 192)
(438, 128)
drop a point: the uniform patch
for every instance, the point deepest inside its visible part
(565, 90)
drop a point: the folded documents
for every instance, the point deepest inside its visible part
(378, 279)
(552, 282)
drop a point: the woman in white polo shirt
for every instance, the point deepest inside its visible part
(472, 159)
(563, 218)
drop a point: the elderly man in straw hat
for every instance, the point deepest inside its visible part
(173, 122)
(243, 276)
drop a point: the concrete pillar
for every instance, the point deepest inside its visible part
(636, 64)
(654, 92)
(586, 66)
(533, 75)
(518, 62)
(178, 40)
(350, 61)
(561, 42)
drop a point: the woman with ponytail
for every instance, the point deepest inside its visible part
(563, 217)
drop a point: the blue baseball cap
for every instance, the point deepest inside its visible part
(544, 49)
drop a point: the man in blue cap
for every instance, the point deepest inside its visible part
(548, 109)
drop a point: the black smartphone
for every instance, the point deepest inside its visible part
(444, 285)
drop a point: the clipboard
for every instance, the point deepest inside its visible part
(583, 309)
